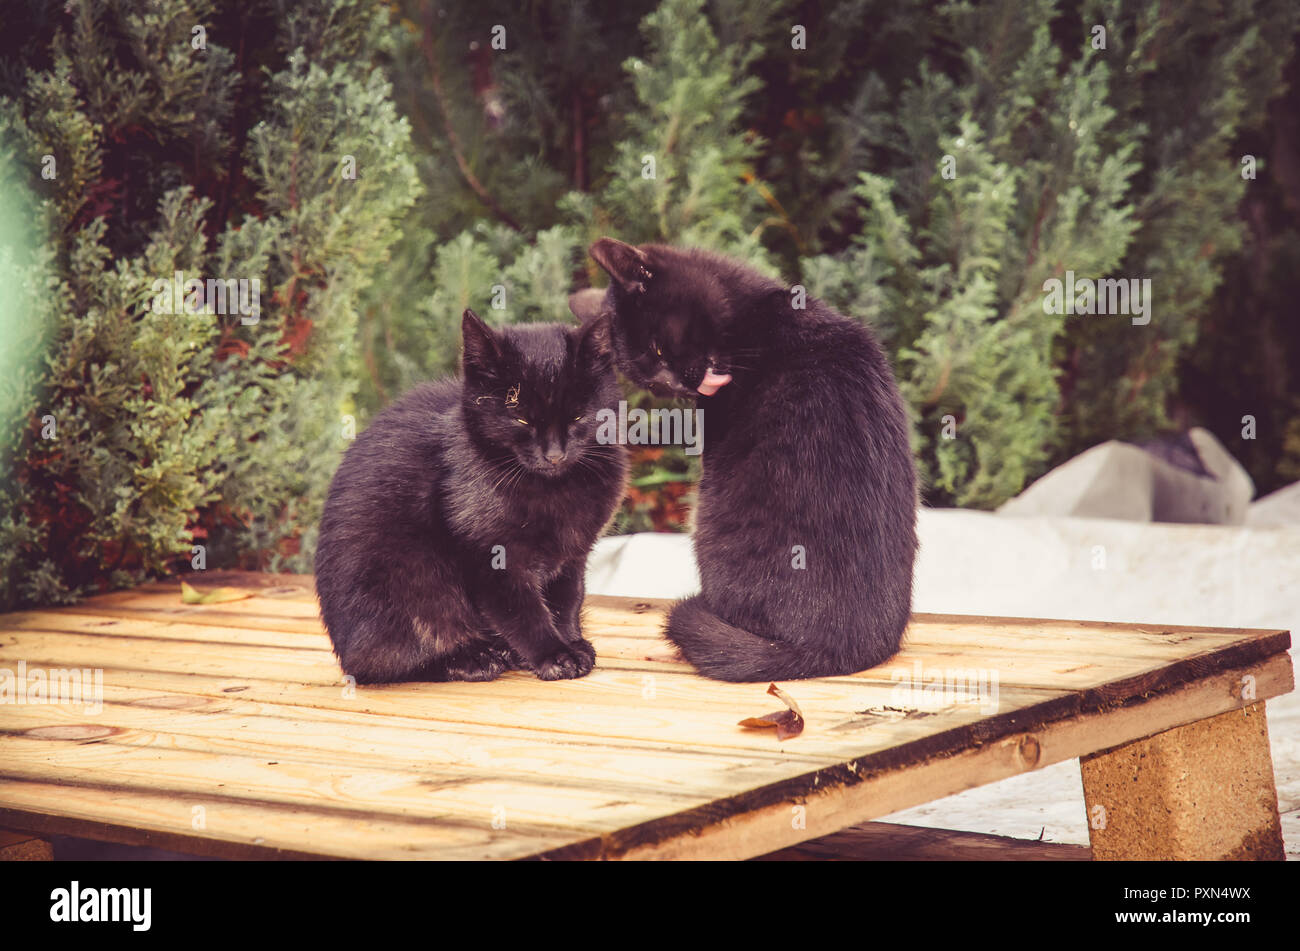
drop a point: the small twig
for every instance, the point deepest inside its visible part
(371, 366)
(579, 143)
(431, 55)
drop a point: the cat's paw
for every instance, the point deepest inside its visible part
(509, 659)
(485, 666)
(567, 662)
(583, 646)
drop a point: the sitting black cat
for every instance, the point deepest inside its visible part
(806, 522)
(456, 532)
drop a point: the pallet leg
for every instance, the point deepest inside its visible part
(1200, 791)
(24, 847)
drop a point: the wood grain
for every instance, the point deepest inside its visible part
(239, 711)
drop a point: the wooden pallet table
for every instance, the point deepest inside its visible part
(227, 730)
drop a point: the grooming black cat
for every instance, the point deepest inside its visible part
(806, 524)
(456, 532)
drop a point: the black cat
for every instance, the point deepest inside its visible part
(806, 523)
(457, 528)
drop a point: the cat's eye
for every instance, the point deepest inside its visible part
(521, 421)
(658, 351)
(578, 419)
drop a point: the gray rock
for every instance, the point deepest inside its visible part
(1280, 509)
(1190, 479)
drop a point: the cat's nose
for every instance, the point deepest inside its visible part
(555, 455)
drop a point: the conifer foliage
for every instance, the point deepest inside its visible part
(928, 167)
(147, 143)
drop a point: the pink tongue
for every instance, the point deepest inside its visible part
(713, 382)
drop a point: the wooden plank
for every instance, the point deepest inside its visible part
(67, 649)
(205, 615)
(440, 796)
(1022, 670)
(413, 710)
(101, 625)
(234, 829)
(639, 620)
(265, 732)
(643, 617)
(1013, 636)
(609, 707)
(676, 682)
(1030, 658)
(162, 606)
(784, 814)
(1029, 668)
(893, 842)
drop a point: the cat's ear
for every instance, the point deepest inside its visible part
(482, 348)
(595, 349)
(587, 305)
(627, 266)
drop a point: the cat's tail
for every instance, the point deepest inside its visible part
(725, 652)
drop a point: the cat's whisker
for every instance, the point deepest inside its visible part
(518, 478)
(515, 468)
(588, 464)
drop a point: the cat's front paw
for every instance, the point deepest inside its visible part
(566, 662)
(583, 646)
(474, 666)
(508, 658)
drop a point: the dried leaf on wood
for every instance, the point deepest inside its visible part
(788, 723)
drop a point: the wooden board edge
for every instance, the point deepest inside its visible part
(46, 826)
(825, 801)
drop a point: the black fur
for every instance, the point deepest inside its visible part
(807, 445)
(404, 565)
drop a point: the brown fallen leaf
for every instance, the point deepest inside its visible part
(191, 595)
(788, 723)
